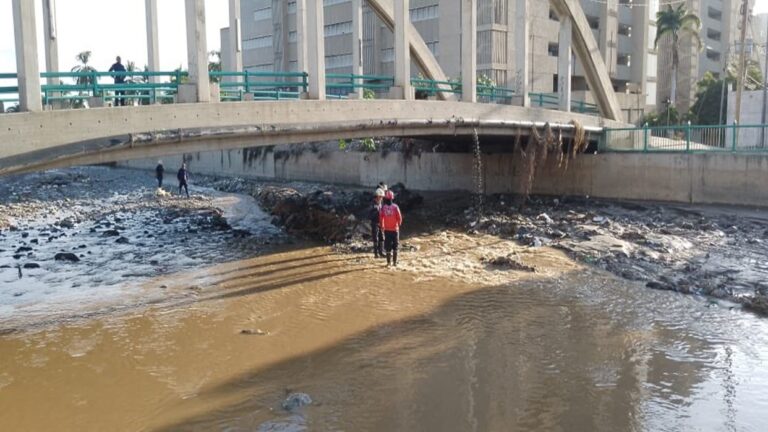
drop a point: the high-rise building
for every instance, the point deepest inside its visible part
(625, 31)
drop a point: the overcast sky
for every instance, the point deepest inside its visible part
(109, 28)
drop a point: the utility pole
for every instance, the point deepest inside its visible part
(742, 57)
(765, 91)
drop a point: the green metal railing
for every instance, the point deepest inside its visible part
(485, 93)
(552, 101)
(686, 138)
(137, 86)
(238, 86)
(339, 86)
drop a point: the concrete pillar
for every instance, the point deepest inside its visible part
(357, 41)
(51, 39)
(235, 47)
(301, 35)
(226, 62)
(402, 87)
(153, 44)
(521, 42)
(565, 63)
(197, 51)
(469, 51)
(27, 68)
(315, 45)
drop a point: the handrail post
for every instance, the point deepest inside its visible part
(94, 83)
(247, 83)
(645, 138)
(688, 136)
(735, 133)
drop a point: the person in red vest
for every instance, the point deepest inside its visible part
(390, 219)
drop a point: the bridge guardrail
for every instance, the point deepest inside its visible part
(686, 138)
(552, 101)
(261, 85)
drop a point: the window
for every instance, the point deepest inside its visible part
(259, 42)
(713, 55)
(625, 30)
(262, 14)
(341, 28)
(333, 2)
(624, 60)
(338, 61)
(714, 34)
(714, 14)
(260, 68)
(553, 49)
(293, 36)
(424, 13)
(387, 55)
(292, 6)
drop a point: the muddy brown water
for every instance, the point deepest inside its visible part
(384, 350)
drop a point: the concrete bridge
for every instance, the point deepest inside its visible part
(36, 139)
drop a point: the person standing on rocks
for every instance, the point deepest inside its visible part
(183, 177)
(376, 234)
(390, 220)
(159, 171)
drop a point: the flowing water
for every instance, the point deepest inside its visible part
(381, 350)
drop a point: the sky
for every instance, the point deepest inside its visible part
(109, 28)
(761, 6)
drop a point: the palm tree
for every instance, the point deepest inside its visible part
(84, 67)
(677, 22)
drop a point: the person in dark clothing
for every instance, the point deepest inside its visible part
(159, 171)
(390, 219)
(119, 79)
(183, 177)
(376, 234)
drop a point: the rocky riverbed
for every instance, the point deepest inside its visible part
(717, 252)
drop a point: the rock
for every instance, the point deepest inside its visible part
(545, 217)
(66, 223)
(122, 240)
(24, 235)
(509, 263)
(111, 233)
(296, 400)
(258, 332)
(658, 285)
(599, 219)
(17, 256)
(66, 256)
(31, 265)
(687, 226)
(23, 249)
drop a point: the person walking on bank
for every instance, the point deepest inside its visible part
(119, 78)
(159, 171)
(183, 177)
(376, 234)
(390, 220)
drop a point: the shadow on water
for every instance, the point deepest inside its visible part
(521, 357)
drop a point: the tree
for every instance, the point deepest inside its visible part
(84, 67)
(214, 64)
(706, 108)
(677, 22)
(753, 80)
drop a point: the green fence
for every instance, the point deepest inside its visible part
(238, 86)
(687, 138)
(552, 101)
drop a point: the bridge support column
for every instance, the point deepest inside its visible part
(564, 63)
(402, 88)
(153, 44)
(234, 48)
(520, 41)
(51, 39)
(315, 43)
(198, 89)
(357, 43)
(27, 67)
(468, 51)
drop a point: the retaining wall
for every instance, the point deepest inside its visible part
(718, 178)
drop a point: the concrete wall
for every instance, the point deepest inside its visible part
(690, 178)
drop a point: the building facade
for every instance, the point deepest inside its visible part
(625, 31)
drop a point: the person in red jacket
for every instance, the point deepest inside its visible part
(390, 219)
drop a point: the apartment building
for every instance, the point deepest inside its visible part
(624, 29)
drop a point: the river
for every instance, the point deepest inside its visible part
(440, 344)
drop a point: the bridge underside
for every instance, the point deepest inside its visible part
(54, 139)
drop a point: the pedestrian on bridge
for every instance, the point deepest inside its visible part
(390, 220)
(376, 234)
(119, 78)
(183, 177)
(159, 171)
